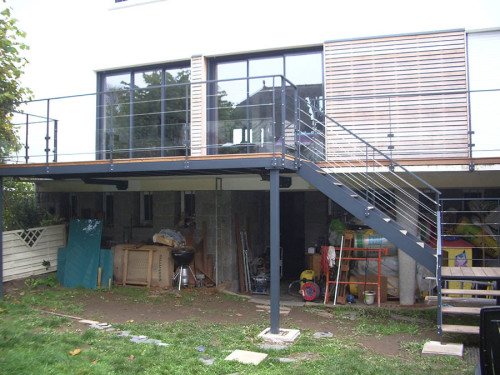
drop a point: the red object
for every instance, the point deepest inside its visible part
(310, 291)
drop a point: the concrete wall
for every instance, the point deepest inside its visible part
(315, 217)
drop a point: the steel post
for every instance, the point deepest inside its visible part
(47, 135)
(275, 249)
(1, 238)
(439, 253)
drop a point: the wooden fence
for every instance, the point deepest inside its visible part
(32, 251)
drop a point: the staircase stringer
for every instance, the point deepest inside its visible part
(371, 216)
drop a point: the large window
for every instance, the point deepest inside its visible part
(245, 102)
(144, 112)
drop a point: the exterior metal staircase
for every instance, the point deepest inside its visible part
(365, 211)
(366, 182)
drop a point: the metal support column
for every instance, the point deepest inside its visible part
(218, 226)
(1, 238)
(275, 250)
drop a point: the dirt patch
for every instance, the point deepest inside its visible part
(208, 305)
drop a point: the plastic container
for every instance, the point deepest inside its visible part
(369, 297)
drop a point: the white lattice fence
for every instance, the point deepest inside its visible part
(31, 251)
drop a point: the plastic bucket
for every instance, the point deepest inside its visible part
(369, 297)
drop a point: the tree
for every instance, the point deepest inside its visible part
(20, 209)
(11, 69)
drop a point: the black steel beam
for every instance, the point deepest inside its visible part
(191, 167)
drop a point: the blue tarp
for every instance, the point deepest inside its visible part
(78, 263)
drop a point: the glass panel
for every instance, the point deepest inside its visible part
(176, 106)
(115, 116)
(228, 106)
(146, 140)
(306, 72)
(264, 67)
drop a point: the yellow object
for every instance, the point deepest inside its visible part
(353, 288)
(459, 257)
(476, 235)
(305, 276)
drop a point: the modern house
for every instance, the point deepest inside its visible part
(376, 131)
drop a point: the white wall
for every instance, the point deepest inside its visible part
(70, 39)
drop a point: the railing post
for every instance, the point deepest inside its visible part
(273, 125)
(187, 129)
(131, 119)
(26, 147)
(47, 135)
(283, 119)
(296, 132)
(55, 140)
(439, 254)
(163, 98)
(111, 128)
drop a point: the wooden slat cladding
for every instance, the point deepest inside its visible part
(385, 90)
(198, 106)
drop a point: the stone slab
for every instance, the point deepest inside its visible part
(435, 347)
(246, 357)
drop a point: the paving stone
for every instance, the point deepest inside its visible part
(123, 333)
(435, 347)
(246, 357)
(207, 360)
(323, 335)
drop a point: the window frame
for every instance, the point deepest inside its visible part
(101, 149)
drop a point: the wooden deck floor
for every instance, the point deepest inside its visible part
(470, 273)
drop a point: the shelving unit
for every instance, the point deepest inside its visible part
(346, 256)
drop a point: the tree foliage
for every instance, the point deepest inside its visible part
(11, 69)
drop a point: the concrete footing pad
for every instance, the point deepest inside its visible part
(435, 347)
(284, 335)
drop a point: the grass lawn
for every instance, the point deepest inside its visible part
(33, 341)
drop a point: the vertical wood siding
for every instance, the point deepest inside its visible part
(24, 257)
(381, 89)
(198, 106)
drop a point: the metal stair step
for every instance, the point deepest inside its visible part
(354, 196)
(421, 244)
(387, 219)
(404, 231)
(338, 183)
(472, 292)
(461, 310)
(453, 328)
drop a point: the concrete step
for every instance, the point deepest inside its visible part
(461, 310)
(472, 292)
(454, 328)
